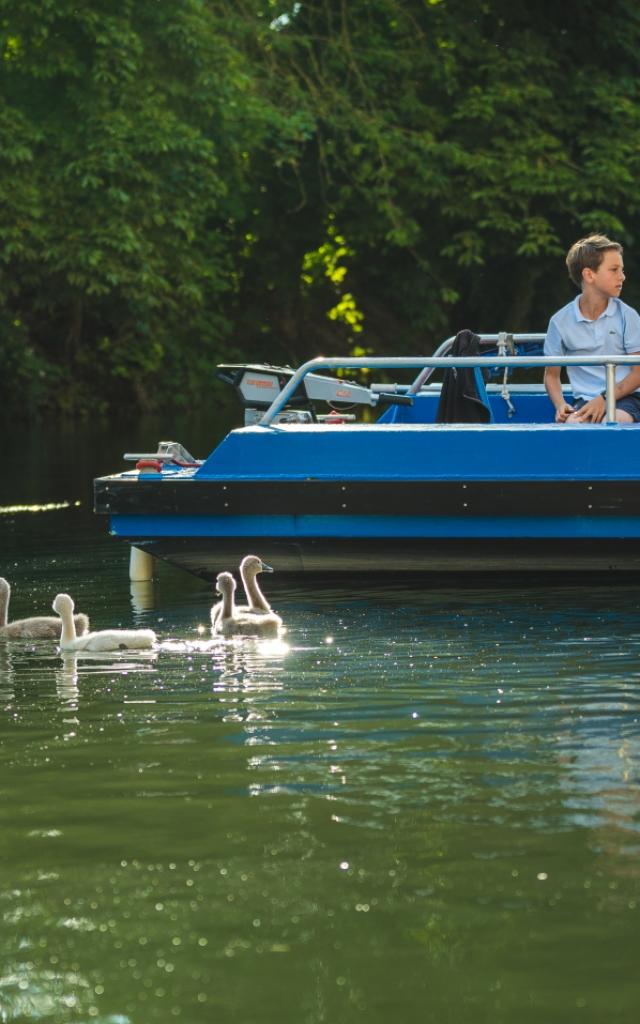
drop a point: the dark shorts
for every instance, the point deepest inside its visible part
(630, 404)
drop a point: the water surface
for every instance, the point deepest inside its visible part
(423, 805)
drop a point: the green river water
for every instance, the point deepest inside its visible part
(422, 806)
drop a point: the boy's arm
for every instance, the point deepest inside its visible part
(631, 382)
(630, 330)
(553, 385)
(552, 382)
(595, 410)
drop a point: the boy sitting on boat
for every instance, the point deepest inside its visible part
(596, 322)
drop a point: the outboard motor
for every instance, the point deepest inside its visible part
(257, 385)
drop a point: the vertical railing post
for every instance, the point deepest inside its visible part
(611, 392)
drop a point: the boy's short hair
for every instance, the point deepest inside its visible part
(588, 252)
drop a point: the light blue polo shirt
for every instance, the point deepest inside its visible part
(615, 332)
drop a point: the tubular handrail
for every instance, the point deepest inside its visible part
(420, 362)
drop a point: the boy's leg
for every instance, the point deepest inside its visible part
(628, 409)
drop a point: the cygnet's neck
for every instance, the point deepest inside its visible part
(227, 602)
(255, 597)
(68, 633)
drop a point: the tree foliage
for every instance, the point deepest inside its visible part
(121, 175)
(182, 184)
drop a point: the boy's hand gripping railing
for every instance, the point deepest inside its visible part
(422, 362)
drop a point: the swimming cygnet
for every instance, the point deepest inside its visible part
(250, 566)
(103, 639)
(228, 620)
(46, 627)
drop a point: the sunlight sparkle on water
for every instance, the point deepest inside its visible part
(51, 507)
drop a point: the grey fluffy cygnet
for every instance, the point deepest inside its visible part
(229, 620)
(47, 627)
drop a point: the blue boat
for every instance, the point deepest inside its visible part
(376, 483)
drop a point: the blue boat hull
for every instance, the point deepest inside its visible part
(394, 497)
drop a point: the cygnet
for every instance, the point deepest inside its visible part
(102, 640)
(250, 566)
(227, 620)
(47, 627)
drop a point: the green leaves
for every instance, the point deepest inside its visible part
(118, 204)
(171, 178)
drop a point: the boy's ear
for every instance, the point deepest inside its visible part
(587, 275)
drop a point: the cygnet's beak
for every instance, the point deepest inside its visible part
(266, 568)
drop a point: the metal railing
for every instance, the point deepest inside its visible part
(436, 362)
(502, 340)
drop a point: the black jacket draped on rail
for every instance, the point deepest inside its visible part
(462, 400)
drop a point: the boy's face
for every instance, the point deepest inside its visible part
(609, 277)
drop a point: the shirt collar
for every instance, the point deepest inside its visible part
(609, 311)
